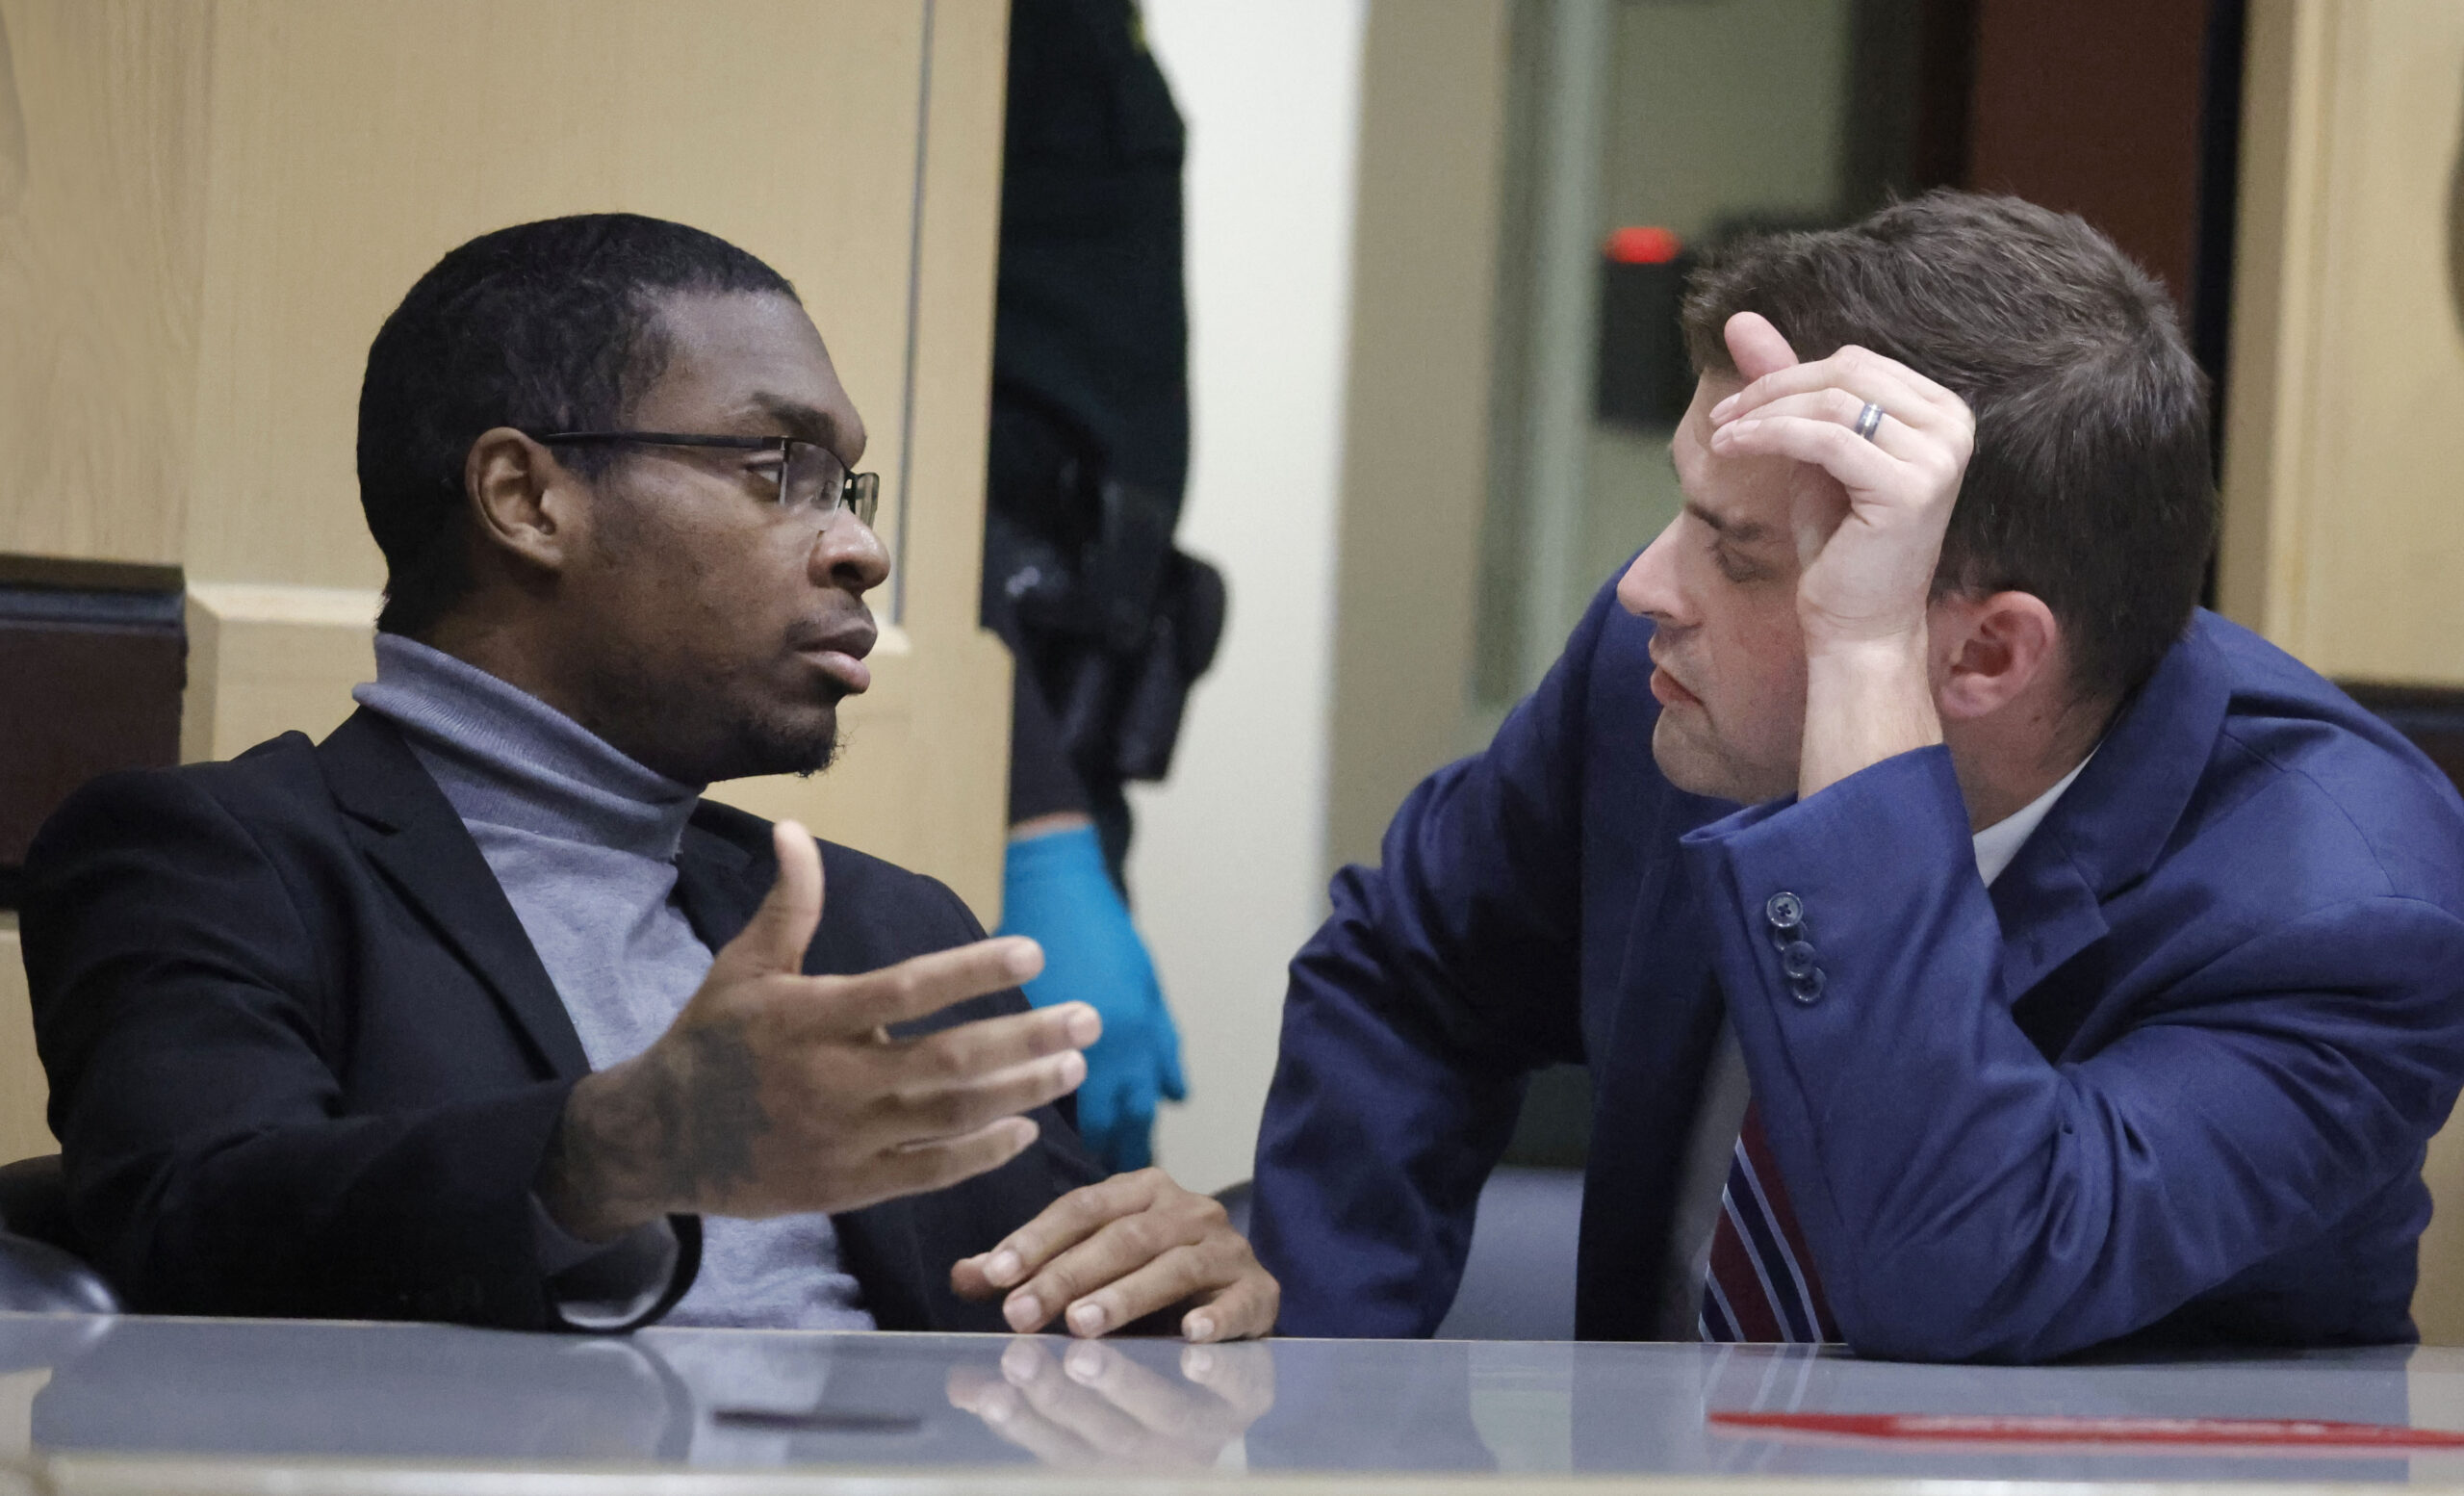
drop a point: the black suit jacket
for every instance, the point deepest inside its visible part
(306, 1062)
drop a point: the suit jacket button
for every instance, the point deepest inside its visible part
(1785, 911)
(1807, 988)
(1796, 958)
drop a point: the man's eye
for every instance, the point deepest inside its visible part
(1734, 567)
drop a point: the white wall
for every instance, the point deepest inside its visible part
(1226, 870)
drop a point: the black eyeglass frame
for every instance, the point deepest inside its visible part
(859, 493)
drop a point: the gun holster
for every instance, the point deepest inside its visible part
(1116, 624)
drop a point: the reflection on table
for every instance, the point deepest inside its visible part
(756, 1400)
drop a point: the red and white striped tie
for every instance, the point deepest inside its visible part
(1763, 1285)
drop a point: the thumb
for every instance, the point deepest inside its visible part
(783, 927)
(1756, 346)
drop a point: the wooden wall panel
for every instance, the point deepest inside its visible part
(354, 145)
(223, 199)
(23, 1090)
(924, 777)
(2344, 508)
(2092, 107)
(102, 210)
(1416, 427)
(265, 660)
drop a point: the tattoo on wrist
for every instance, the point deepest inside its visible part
(709, 1114)
(672, 1130)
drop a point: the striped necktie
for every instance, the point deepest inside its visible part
(1763, 1285)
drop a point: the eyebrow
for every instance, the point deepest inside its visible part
(803, 421)
(1744, 533)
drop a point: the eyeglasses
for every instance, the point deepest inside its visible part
(809, 476)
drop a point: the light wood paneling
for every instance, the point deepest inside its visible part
(924, 778)
(224, 200)
(102, 210)
(266, 659)
(23, 1090)
(1415, 433)
(2343, 500)
(2438, 1300)
(354, 145)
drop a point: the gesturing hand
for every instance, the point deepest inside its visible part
(1104, 1255)
(1868, 541)
(776, 1093)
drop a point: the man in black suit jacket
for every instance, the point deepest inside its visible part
(312, 1029)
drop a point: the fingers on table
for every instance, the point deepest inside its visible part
(1063, 1224)
(1241, 1309)
(1138, 1265)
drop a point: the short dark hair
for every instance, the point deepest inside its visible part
(2090, 485)
(543, 326)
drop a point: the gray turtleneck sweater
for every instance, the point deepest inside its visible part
(583, 842)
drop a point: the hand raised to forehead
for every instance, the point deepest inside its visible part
(775, 1093)
(1871, 520)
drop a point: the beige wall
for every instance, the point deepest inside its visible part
(23, 1091)
(2344, 515)
(1416, 401)
(1225, 872)
(220, 201)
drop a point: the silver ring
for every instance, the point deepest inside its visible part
(1868, 421)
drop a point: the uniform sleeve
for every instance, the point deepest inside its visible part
(1442, 978)
(1968, 1199)
(188, 1017)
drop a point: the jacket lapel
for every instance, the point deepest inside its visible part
(716, 885)
(2105, 834)
(404, 824)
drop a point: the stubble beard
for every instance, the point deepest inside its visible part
(1691, 757)
(702, 737)
(765, 744)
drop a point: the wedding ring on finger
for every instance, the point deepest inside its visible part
(1868, 421)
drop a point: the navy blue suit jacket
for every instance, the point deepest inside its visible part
(2172, 1076)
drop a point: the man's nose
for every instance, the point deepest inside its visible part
(848, 555)
(1649, 588)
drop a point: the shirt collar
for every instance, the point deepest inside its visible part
(2000, 842)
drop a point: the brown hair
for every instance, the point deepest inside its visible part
(2090, 485)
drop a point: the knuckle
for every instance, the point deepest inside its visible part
(945, 1058)
(1058, 1284)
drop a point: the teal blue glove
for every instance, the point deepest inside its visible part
(1054, 889)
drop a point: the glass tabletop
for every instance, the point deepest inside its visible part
(761, 1399)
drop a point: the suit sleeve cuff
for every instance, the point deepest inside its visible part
(604, 1286)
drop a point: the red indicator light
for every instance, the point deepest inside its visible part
(1633, 245)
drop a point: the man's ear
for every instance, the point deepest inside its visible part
(1992, 649)
(523, 501)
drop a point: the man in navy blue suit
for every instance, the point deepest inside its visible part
(1977, 951)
